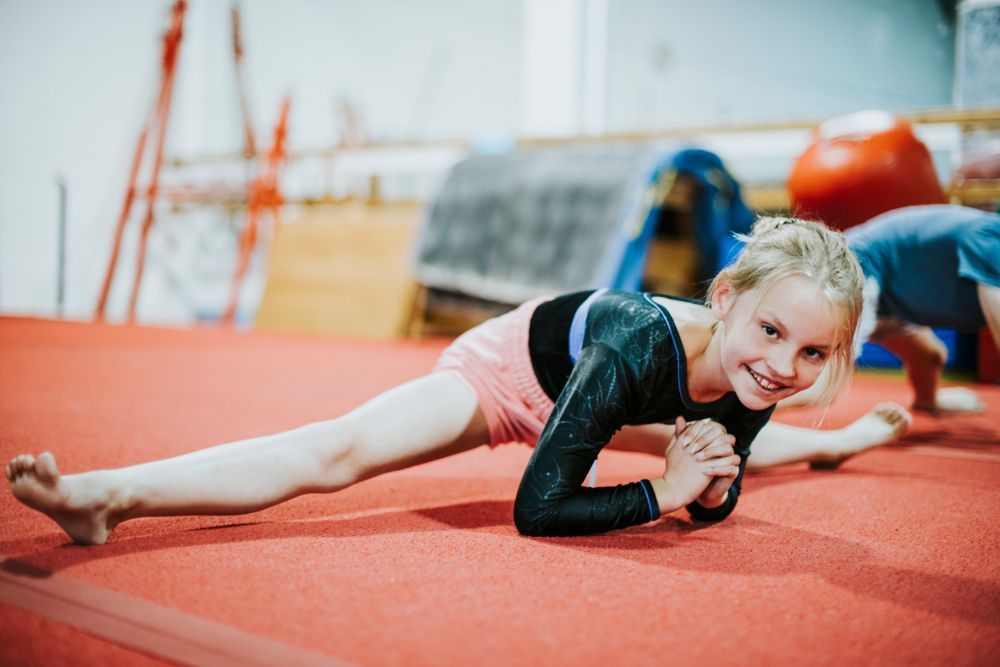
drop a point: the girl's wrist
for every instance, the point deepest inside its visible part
(665, 498)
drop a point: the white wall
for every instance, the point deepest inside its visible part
(77, 79)
(71, 105)
(680, 63)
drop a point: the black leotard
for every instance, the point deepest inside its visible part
(630, 369)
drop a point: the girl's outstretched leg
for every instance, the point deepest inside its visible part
(426, 419)
(779, 444)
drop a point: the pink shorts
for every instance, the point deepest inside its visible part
(493, 359)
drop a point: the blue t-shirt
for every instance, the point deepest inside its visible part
(927, 261)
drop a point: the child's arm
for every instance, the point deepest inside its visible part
(550, 499)
(989, 300)
(600, 396)
(924, 356)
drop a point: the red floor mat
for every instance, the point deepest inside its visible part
(891, 559)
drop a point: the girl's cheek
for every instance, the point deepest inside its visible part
(813, 372)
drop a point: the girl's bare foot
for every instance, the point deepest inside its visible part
(952, 400)
(883, 423)
(74, 502)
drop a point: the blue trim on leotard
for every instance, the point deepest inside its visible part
(652, 516)
(680, 356)
(578, 326)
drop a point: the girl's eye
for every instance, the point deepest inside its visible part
(769, 331)
(814, 354)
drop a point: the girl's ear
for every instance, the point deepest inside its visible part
(722, 297)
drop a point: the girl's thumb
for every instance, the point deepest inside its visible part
(679, 425)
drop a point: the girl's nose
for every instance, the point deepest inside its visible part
(783, 365)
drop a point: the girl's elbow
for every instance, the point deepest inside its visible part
(530, 521)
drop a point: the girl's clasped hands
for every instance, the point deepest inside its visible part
(700, 463)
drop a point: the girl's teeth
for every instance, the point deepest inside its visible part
(762, 382)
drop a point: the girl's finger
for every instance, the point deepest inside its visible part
(691, 433)
(724, 460)
(716, 450)
(725, 467)
(707, 431)
(710, 437)
(729, 472)
(700, 434)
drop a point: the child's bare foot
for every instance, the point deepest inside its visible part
(883, 423)
(952, 400)
(72, 503)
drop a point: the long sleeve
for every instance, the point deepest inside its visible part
(593, 405)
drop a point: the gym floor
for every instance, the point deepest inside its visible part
(890, 559)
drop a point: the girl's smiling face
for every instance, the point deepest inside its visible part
(776, 344)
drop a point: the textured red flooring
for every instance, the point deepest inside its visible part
(890, 560)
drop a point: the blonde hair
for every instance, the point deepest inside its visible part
(779, 248)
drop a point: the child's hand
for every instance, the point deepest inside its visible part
(711, 443)
(696, 454)
(717, 490)
(707, 439)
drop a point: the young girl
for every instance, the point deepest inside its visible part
(565, 373)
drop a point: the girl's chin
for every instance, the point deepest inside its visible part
(754, 401)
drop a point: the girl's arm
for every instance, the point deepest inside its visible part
(551, 499)
(600, 396)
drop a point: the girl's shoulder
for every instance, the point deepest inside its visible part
(625, 309)
(636, 310)
(635, 324)
(683, 311)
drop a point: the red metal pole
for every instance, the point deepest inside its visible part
(102, 300)
(249, 143)
(172, 42)
(264, 192)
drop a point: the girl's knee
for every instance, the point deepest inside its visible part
(338, 453)
(936, 354)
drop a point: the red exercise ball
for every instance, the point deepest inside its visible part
(861, 165)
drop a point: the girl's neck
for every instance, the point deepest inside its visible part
(706, 380)
(701, 337)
